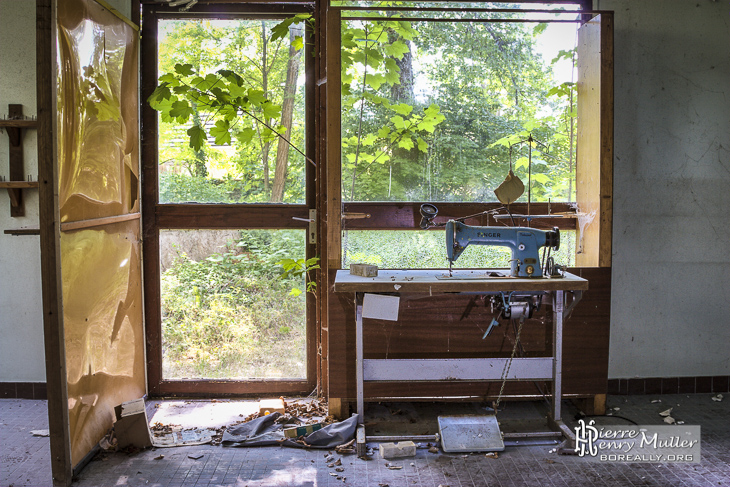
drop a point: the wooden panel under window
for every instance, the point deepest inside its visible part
(451, 326)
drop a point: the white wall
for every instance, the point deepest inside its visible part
(21, 317)
(670, 312)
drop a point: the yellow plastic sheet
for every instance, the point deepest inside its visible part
(97, 112)
(98, 177)
(102, 315)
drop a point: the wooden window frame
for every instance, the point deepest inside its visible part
(156, 216)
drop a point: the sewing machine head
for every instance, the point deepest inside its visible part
(525, 244)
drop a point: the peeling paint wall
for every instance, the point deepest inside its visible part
(22, 356)
(670, 313)
(21, 316)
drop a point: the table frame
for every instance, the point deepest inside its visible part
(418, 281)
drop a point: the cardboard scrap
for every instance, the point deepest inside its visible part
(46, 432)
(666, 413)
(131, 427)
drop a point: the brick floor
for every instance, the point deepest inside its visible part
(25, 459)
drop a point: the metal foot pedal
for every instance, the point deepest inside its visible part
(469, 433)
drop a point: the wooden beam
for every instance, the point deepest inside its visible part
(606, 186)
(406, 215)
(194, 216)
(97, 222)
(15, 161)
(150, 231)
(53, 329)
(331, 223)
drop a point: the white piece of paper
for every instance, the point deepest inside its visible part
(380, 307)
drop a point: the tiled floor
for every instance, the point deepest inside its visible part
(25, 459)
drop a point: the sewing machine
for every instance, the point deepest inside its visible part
(525, 244)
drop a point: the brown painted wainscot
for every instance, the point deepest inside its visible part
(451, 326)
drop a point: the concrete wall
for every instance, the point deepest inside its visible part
(670, 313)
(21, 317)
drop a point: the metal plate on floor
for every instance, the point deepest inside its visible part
(469, 433)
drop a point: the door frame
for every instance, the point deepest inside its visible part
(156, 216)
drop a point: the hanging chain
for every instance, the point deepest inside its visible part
(507, 366)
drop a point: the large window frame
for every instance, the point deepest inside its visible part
(181, 216)
(595, 192)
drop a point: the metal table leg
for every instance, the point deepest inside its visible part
(361, 445)
(555, 419)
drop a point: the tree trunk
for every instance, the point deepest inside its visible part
(287, 114)
(265, 87)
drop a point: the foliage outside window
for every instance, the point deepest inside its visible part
(467, 94)
(231, 99)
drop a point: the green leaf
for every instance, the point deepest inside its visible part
(221, 132)
(181, 111)
(369, 139)
(246, 135)
(392, 71)
(402, 109)
(271, 110)
(406, 143)
(540, 178)
(162, 92)
(422, 145)
(397, 49)
(256, 97)
(398, 122)
(298, 43)
(197, 137)
(539, 28)
(184, 69)
(375, 81)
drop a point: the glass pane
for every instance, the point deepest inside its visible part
(228, 310)
(228, 152)
(422, 249)
(442, 110)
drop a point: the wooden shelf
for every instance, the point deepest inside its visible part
(21, 124)
(18, 184)
(23, 231)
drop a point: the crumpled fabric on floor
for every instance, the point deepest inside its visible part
(265, 431)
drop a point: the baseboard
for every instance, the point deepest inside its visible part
(23, 390)
(669, 385)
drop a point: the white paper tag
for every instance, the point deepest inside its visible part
(380, 307)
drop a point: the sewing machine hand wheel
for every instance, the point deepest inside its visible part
(428, 213)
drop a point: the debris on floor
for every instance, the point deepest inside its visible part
(46, 432)
(401, 449)
(717, 398)
(666, 413)
(177, 436)
(268, 406)
(131, 427)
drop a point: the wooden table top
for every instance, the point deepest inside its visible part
(463, 280)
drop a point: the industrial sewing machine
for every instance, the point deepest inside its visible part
(525, 244)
